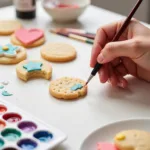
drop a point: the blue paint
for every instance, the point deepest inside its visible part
(27, 147)
(12, 50)
(1, 86)
(27, 144)
(76, 87)
(5, 93)
(43, 136)
(33, 66)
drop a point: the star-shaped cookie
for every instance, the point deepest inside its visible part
(33, 66)
(9, 50)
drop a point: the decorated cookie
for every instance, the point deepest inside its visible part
(33, 69)
(106, 146)
(68, 88)
(132, 140)
(58, 52)
(28, 38)
(10, 54)
(8, 27)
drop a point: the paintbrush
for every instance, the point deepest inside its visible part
(73, 36)
(116, 38)
(75, 31)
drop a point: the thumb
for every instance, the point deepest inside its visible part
(128, 48)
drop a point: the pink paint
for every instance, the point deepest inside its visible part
(106, 146)
(29, 36)
(66, 6)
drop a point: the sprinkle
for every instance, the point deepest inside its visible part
(120, 137)
(1, 86)
(5, 48)
(5, 93)
(5, 82)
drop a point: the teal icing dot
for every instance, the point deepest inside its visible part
(1, 86)
(76, 87)
(33, 66)
(5, 93)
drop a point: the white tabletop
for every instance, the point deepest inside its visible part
(102, 105)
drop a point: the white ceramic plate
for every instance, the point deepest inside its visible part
(107, 133)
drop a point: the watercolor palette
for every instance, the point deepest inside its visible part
(21, 131)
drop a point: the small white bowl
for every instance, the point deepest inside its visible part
(66, 14)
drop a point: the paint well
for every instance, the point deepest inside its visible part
(27, 144)
(11, 134)
(12, 117)
(27, 126)
(2, 124)
(43, 136)
(3, 109)
(1, 143)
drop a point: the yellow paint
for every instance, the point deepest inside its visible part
(5, 48)
(120, 137)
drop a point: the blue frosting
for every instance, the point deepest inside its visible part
(76, 87)
(33, 66)
(5, 93)
(12, 50)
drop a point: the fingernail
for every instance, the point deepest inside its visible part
(100, 58)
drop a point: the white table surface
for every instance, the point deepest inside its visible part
(102, 105)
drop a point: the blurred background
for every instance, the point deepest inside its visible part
(118, 6)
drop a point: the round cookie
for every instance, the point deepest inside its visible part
(132, 140)
(7, 27)
(68, 88)
(33, 69)
(39, 42)
(58, 52)
(10, 54)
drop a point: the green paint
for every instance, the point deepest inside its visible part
(1, 143)
(5, 93)
(1, 86)
(11, 134)
(76, 87)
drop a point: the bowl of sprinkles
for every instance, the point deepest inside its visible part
(65, 10)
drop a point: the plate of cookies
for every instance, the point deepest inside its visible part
(123, 135)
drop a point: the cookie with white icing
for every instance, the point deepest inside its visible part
(68, 88)
(10, 54)
(33, 69)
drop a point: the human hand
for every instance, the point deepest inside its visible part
(129, 55)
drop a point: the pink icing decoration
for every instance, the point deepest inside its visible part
(28, 36)
(106, 146)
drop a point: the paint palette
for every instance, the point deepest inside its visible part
(21, 131)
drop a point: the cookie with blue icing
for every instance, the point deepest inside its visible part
(68, 88)
(33, 69)
(11, 54)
